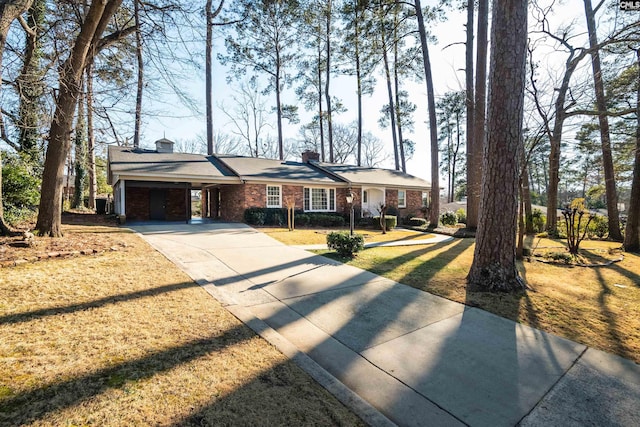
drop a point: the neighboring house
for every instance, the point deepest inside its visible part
(157, 185)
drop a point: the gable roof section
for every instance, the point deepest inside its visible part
(364, 176)
(257, 169)
(145, 164)
(150, 165)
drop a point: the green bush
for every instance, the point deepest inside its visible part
(538, 219)
(255, 216)
(302, 219)
(449, 218)
(345, 244)
(20, 188)
(390, 221)
(417, 222)
(598, 226)
(326, 220)
(461, 214)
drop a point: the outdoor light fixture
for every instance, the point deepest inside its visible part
(350, 202)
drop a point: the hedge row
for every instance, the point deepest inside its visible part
(278, 217)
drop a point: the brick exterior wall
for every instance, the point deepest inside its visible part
(294, 193)
(341, 200)
(232, 203)
(136, 203)
(176, 204)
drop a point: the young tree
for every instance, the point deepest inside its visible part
(494, 260)
(96, 20)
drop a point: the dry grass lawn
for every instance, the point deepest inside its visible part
(596, 306)
(123, 337)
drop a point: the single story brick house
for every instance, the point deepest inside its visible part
(157, 185)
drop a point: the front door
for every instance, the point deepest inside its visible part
(157, 204)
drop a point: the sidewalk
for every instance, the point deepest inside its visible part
(413, 357)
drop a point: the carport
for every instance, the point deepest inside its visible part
(156, 185)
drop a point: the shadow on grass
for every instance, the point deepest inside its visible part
(31, 406)
(112, 299)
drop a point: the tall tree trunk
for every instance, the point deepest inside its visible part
(392, 115)
(320, 111)
(479, 118)
(327, 81)
(80, 161)
(470, 107)
(632, 230)
(211, 14)
(279, 106)
(434, 209)
(358, 83)
(91, 140)
(601, 102)
(140, 79)
(403, 162)
(494, 260)
(9, 11)
(50, 210)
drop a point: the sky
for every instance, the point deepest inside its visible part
(447, 59)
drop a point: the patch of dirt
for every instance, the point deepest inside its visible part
(84, 234)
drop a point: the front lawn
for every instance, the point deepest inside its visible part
(596, 306)
(309, 236)
(109, 332)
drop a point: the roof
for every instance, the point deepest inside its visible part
(131, 162)
(252, 168)
(360, 175)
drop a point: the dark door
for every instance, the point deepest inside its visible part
(157, 204)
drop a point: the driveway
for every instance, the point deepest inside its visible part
(400, 355)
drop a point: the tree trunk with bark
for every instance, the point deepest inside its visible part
(387, 74)
(601, 102)
(632, 230)
(494, 261)
(327, 82)
(434, 209)
(91, 140)
(50, 210)
(359, 84)
(469, 103)
(474, 169)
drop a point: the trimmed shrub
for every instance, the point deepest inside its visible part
(345, 244)
(461, 214)
(390, 221)
(417, 222)
(392, 211)
(302, 219)
(255, 216)
(449, 218)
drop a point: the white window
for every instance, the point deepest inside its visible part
(365, 196)
(320, 199)
(274, 196)
(402, 199)
(425, 199)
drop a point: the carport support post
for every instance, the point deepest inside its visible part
(123, 210)
(187, 196)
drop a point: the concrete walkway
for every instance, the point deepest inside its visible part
(396, 355)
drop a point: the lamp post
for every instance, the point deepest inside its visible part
(350, 202)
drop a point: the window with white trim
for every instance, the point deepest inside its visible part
(319, 199)
(402, 198)
(274, 196)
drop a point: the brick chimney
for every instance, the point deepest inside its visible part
(310, 155)
(164, 146)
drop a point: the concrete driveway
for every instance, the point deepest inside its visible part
(400, 356)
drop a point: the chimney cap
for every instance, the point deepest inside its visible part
(164, 145)
(310, 155)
